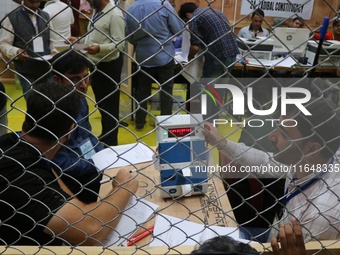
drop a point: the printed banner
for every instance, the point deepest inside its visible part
(279, 8)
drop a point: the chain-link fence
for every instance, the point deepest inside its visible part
(234, 126)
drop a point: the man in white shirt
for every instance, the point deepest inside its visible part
(106, 40)
(304, 155)
(255, 29)
(61, 16)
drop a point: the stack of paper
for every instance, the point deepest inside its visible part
(137, 212)
(123, 155)
(172, 231)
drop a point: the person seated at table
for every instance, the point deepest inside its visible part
(311, 143)
(255, 29)
(297, 22)
(290, 238)
(334, 35)
(37, 208)
(74, 159)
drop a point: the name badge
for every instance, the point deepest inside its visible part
(38, 44)
(87, 149)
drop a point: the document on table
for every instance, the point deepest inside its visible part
(122, 155)
(136, 213)
(280, 62)
(172, 231)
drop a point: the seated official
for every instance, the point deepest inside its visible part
(334, 35)
(297, 22)
(74, 159)
(37, 208)
(298, 149)
(255, 29)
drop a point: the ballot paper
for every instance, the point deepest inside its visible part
(122, 155)
(76, 46)
(172, 231)
(136, 213)
(43, 58)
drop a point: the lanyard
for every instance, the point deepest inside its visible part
(26, 15)
(299, 190)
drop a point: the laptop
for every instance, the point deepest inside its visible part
(292, 40)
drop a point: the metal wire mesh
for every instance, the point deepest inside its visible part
(247, 200)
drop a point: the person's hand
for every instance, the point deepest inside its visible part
(71, 39)
(22, 54)
(213, 136)
(93, 49)
(125, 180)
(291, 240)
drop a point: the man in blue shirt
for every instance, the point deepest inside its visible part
(211, 33)
(151, 25)
(72, 68)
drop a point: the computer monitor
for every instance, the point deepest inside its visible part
(293, 40)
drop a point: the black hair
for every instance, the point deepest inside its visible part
(70, 61)
(186, 8)
(336, 22)
(51, 110)
(321, 126)
(258, 12)
(300, 19)
(224, 245)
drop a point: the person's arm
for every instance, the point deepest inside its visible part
(291, 240)
(129, 21)
(7, 39)
(240, 153)
(240, 33)
(89, 224)
(117, 35)
(174, 22)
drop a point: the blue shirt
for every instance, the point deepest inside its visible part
(211, 29)
(152, 37)
(69, 158)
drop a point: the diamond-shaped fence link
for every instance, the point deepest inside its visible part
(234, 118)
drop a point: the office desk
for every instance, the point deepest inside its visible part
(212, 208)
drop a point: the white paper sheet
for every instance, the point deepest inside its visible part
(172, 231)
(137, 212)
(80, 46)
(280, 62)
(65, 46)
(43, 58)
(123, 155)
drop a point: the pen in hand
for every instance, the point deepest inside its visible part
(111, 178)
(139, 236)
